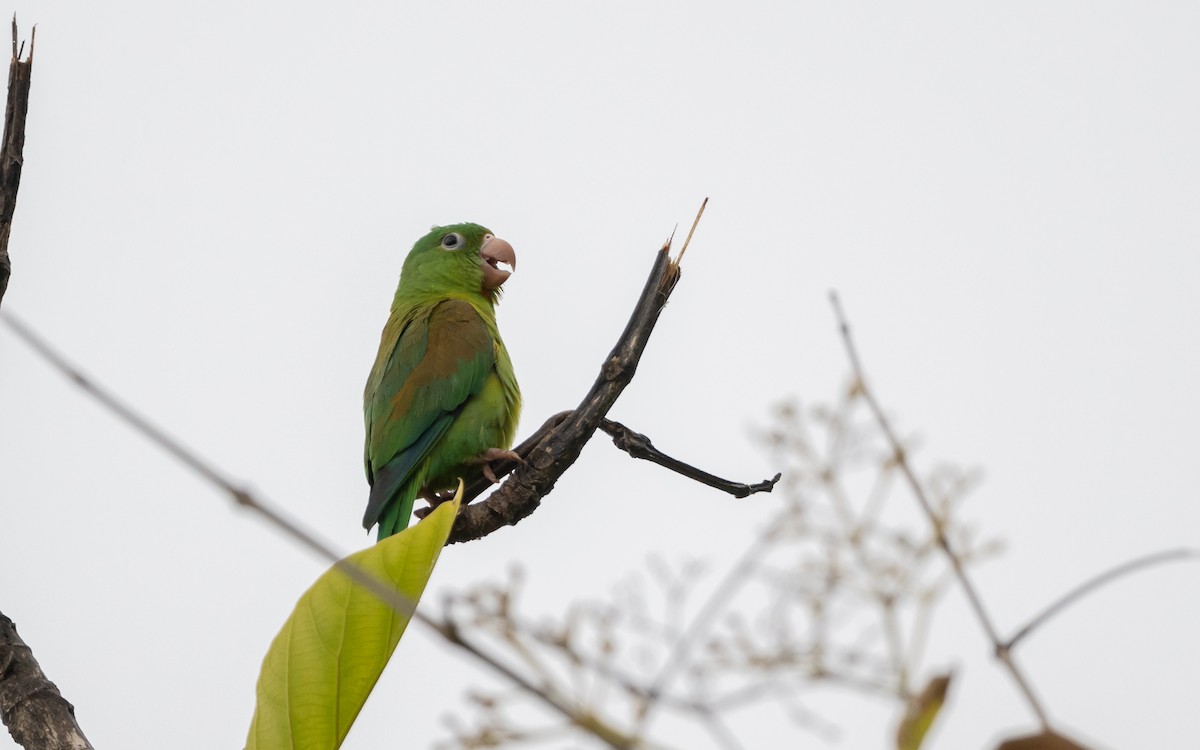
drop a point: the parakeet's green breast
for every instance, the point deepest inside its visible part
(442, 391)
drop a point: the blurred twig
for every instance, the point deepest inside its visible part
(976, 602)
(826, 594)
(1108, 576)
(720, 598)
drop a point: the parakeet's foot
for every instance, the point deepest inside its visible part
(437, 498)
(486, 458)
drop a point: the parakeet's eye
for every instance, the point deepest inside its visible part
(452, 241)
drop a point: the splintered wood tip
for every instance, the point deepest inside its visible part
(691, 231)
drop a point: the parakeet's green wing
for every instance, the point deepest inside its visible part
(418, 393)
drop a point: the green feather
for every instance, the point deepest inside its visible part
(442, 390)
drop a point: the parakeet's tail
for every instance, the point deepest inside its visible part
(395, 487)
(392, 498)
(395, 519)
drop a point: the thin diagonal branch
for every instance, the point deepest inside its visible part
(185, 455)
(12, 146)
(956, 563)
(240, 496)
(1108, 576)
(246, 499)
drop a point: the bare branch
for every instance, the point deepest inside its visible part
(36, 714)
(13, 145)
(639, 446)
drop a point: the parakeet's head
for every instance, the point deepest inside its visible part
(464, 258)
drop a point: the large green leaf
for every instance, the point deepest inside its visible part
(330, 653)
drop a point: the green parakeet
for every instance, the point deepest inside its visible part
(442, 400)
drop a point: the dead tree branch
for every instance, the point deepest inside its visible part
(638, 445)
(566, 434)
(558, 443)
(36, 714)
(13, 146)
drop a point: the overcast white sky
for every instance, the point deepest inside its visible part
(216, 203)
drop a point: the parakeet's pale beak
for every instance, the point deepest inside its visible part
(499, 261)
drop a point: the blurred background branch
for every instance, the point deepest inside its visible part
(953, 556)
(836, 591)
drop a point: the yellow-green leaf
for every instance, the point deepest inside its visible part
(921, 712)
(330, 653)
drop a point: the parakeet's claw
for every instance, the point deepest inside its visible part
(437, 498)
(486, 458)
